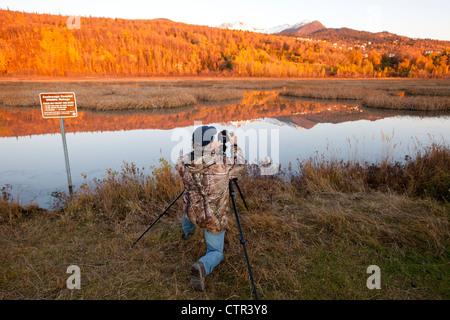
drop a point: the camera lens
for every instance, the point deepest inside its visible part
(223, 135)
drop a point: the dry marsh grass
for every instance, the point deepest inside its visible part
(397, 95)
(248, 84)
(327, 92)
(106, 96)
(133, 98)
(427, 174)
(311, 235)
(215, 94)
(398, 102)
(429, 91)
(402, 94)
(252, 85)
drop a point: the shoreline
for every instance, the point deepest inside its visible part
(153, 93)
(320, 231)
(191, 78)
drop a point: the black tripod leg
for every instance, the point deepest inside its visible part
(156, 220)
(240, 193)
(243, 241)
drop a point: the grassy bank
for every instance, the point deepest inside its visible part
(114, 96)
(312, 232)
(419, 103)
(424, 95)
(399, 95)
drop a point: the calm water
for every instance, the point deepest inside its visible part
(32, 160)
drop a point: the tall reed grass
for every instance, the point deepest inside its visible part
(427, 174)
(416, 99)
(309, 233)
(418, 103)
(106, 96)
(327, 92)
(392, 94)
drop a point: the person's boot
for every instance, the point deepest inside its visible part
(187, 235)
(198, 276)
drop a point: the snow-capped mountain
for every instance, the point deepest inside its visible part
(278, 29)
(238, 26)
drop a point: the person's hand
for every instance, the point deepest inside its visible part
(215, 145)
(232, 138)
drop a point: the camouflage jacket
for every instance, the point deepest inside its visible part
(206, 196)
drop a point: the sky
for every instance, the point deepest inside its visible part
(412, 18)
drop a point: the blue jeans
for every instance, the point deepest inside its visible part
(214, 246)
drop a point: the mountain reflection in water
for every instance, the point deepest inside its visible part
(32, 161)
(16, 122)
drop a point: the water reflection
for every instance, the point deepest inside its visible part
(32, 161)
(16, 122)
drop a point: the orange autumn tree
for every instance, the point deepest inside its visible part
(42, 44)
(58, 52)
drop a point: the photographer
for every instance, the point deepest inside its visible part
(206, 172)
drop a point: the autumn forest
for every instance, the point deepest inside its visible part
(46, 45)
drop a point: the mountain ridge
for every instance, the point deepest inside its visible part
(316, 30)
(292, 28)
(306, 29)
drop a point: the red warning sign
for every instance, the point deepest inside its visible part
(58, 104)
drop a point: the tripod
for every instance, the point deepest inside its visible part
(242, 240)
(231, 191)
(224, 137)
(240, 192)
(156, 220)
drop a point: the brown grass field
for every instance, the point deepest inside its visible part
(112, 94)
(311, 235)
(116, 96)
(389, 94)
(312, 230)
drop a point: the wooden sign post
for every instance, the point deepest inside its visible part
(60, 105)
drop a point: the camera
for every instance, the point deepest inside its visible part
(222, 136)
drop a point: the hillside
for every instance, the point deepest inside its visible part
(300, 28)
(355, 35)
(305, 29)
(46, 45)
